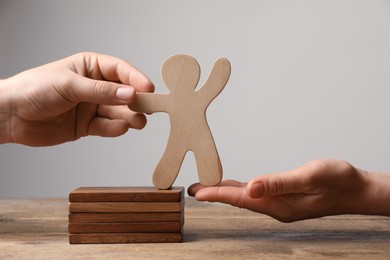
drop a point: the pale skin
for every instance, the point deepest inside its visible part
(318, 188)
(84, 94)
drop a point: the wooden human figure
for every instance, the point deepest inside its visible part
(187, 113)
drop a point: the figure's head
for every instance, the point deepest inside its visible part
(180, 71)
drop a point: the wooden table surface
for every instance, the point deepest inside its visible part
(37, 229)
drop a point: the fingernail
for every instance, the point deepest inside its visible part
(125, 94)
(257, 190)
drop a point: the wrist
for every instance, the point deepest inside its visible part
(5, 112)
(377, 194)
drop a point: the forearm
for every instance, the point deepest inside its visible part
(5, 112)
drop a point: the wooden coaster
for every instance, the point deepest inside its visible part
(137, 227)
(124, 217)
(110, 238)
(126, 207)
(126, 194)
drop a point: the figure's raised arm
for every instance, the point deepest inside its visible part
(149, 103)
(216, 80)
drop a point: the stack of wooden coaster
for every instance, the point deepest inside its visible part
(125, 215)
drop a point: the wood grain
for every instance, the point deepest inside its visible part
(125, 238)
(37, 229)
(79, 207)
(123, 217)
(187, 113)
(126, 194)
(138, 227)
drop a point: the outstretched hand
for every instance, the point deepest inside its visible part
(84, 94)
(318, 188)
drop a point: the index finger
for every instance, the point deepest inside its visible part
(115, 69)
(194, 188)
(233, 195)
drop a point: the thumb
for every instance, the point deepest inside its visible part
(275, 184)
(99, 92)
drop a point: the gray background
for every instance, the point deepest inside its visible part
(310, 79)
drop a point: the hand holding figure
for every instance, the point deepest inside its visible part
(84, 94)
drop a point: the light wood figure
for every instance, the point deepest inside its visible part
(187, 113)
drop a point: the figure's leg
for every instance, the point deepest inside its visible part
(169, 166)
(207, 159)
